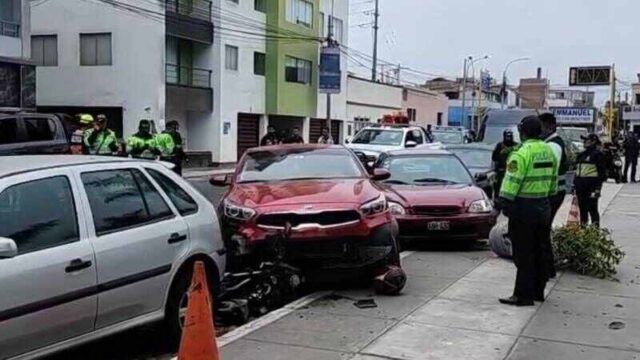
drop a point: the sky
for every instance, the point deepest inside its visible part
(435, 36)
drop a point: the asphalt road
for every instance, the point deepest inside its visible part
(144, 343)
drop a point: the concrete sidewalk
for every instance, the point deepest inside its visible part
(449, 310)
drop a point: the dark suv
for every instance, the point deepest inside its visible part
(29, 134)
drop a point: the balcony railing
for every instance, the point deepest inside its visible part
(188, 76)
(199, 9)
(8, 28)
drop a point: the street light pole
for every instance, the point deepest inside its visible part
(469, 64)
(504, 80)
(330, 43)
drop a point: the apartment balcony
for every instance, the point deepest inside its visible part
(190, 87)
(8, 28)
(190, 19)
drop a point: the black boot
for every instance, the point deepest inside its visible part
(516, 301)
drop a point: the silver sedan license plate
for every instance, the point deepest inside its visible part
(438, 226)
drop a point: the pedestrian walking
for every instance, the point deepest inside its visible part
(524, 197)
(143, 144)
(591, 173)
(100, 140)
(169, 144)
(499, 157)
(271, 138)
(631, 152)
(325, 138)
(557, 145)
(294, 137)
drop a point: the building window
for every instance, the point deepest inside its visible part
(338, 30)
(235, 1)
(412, 114)
(95, 49)
(231, 57)
(405, 94)
(10, 17)
(300, 12)
(260, 5)
(259, 63)
(322, 25)
(637, 99)
(440, 119)
(298, 70)
(44, 50)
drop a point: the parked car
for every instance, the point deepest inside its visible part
(477, 158)
(374, 140)
(433, 196)
(338, 216)
(451, 135)
(32, 134)
(93, 246)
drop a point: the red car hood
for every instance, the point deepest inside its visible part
(436, 195)
(344, 191)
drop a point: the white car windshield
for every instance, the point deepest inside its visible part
(386, 137)
(426, 170)
(448, 137)
(300, 164)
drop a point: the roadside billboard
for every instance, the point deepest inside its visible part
(574, 115)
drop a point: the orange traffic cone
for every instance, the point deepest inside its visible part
(574, 213)
(198, 335)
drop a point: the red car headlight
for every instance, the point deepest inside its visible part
(396, 208)
(374, 207)
(481, 207)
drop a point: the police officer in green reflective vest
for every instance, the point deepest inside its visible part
(143, 144)
(591, 172)
(99, 140)
(170, 145)
(531, 178)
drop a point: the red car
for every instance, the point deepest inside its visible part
(433, 196)
(338, 215)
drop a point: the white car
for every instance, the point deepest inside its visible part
(375, 140)
(91, 246)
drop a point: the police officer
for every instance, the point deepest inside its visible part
(557, 145)
(169, 144)
(591, 172)
(99, 140)
(530, 180)
(500, 155)
(143, 144)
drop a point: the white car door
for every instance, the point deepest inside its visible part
(48, 289)
(137, 238)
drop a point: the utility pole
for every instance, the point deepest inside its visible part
(376, 15)
(464, 91)
(612, 100)
(330, 43)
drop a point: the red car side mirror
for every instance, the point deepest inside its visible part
(220, 180)
(380, 174)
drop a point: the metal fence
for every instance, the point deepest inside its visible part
(199, 9)
(188, 76)
(8, 28)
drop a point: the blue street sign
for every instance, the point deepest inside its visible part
(330, 73)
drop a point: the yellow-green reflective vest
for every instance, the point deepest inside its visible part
(165, 144)
(136, 143)
(532, 172)
(103, 143)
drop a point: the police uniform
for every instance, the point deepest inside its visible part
(530, 180)
(591, 172)
(557, 145)
(142, 146)
(100, 142)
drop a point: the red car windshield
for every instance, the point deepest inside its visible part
(426, 170)
(301, 164)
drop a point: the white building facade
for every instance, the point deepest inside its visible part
(164, 61)
(17, 73)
